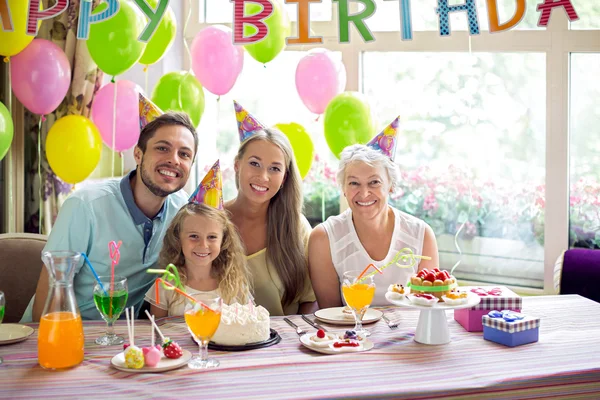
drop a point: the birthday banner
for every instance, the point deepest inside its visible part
(244, 17)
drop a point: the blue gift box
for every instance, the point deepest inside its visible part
(510, 328)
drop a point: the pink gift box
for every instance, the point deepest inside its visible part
(492, 298)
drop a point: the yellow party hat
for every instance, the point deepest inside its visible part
(210, 190)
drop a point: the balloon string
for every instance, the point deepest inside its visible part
(114, 128)
(323, 192)
(189, 53)
(39, 155)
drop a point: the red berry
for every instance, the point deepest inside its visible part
(125, 346)
(446, 274)
(321, 334)
(436, 270)
(440, 276)
(422, 273)
(430, 277)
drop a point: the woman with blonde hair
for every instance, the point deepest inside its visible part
(370, 231)
(267, 212)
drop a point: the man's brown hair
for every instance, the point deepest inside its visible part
(168, 118)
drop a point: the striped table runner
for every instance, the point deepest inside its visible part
(564, 363)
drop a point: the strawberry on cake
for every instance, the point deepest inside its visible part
(434, 282)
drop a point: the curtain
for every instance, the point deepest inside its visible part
(44, 191)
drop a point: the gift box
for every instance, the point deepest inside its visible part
(492, 298)
(510, 329)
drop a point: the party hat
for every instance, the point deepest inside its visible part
(386, 140)
(246, 122)
(210, 190)
(148, 111)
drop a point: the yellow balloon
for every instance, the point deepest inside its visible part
(12, 43)
(73, 148)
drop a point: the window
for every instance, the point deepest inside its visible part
(495, 124)
(472, 127)
(584, 199)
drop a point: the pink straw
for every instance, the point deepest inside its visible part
(115, 255)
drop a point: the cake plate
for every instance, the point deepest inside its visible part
(432, 327)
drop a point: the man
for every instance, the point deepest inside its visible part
(137, 211)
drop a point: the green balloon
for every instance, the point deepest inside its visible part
(348, 121)
(180, 91)
(279, 29)
(163, 37)
(6, 130)
(113, 44)
(304, 149)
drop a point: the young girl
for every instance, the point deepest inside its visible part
(204, 245)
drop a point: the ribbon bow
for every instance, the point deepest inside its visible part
(483, 293)
(507, 315)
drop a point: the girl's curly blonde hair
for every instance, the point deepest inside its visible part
(229, 268)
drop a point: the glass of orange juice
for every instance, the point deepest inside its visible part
(358, 294)
(203, 319)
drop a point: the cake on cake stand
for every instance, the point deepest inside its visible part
(432, 327)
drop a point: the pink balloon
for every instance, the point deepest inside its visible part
(319, 78)
(40, 76)
(216, 61)
(127, 113)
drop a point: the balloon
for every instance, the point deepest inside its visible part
(279, 27)
(13, 42)
(41, 76)
(319, 78)
(216, 61)
(348, 120)
(180, 91)
(113, 43)
(73, 148)
(163, 37)
(6, 130)
(304, 150)
(127, 127)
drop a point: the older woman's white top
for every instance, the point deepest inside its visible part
(348, 253)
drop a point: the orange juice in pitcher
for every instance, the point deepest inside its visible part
(60, 335)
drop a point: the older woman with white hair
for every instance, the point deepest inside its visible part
(370, 231)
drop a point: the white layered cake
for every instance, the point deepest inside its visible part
(242, 324)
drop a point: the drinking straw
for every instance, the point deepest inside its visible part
(115, 255)
(170, 273)
(365, 270)
(151, 318)
(169, 286)
(129, 325)
(87, 261)
(404, 255)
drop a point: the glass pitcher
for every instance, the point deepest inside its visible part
(60, 335)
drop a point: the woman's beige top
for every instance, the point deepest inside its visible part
(268, 288)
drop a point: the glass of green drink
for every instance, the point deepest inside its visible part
(110, 300)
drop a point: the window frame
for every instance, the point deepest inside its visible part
(557, 41)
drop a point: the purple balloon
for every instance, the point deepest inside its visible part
(127, 113)
(216, 61)
(40, 76)
(319, 78)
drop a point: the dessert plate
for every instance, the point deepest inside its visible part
(472, 300)
(305, 340)
(165, 364)
(335, 316)
(273, 339)
(14, 333)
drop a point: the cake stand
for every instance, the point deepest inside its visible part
(432, 327)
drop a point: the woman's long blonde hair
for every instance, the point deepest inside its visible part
(229, 268)
(285, 242)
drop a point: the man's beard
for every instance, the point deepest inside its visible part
(153, 187)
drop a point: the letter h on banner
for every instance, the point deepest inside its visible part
(444, 9)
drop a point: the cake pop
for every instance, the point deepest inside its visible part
(134, 357)
(170, 348)
(152, 354)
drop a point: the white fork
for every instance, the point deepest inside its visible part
(389, 323)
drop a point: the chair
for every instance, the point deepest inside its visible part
(577, 271)
(20, 266)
